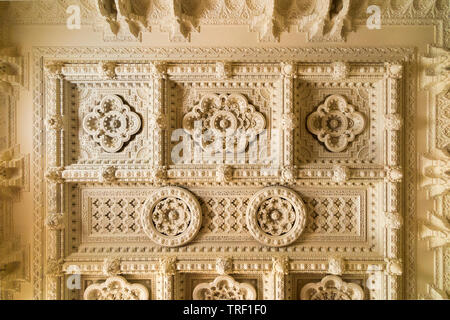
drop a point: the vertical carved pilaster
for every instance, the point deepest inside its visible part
(289, 120)
(165, 279)
(280, 268)
(158, 118)
(54, 108)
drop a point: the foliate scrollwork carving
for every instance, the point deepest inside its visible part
(224, 265)
(54, 174)
(224, 288)
(393, 121)
(341, 173)
(167, 266)
(55, 221)
(224, 173)
(107, 69)
(280, 265)
(116, 288)
(336, 265)
(336, 123)
(111, 123)
(107, 174)
(340, 70)
(276, 216)
(111, 266)
(171, 216)
(54, 68)
(332, 288)
(228, 117)
(223, 70)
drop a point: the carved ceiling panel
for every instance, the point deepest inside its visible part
(167, 164)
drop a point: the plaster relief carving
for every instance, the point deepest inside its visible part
(111, 123)
(336, 123)
(332, 288)
(228, 117)
(224, 288)
(276, 216)
(116, 288)
(171, 216)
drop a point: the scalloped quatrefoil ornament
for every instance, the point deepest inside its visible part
(336, 123)
(111, 123)
(225, 121)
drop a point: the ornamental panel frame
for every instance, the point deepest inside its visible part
(54, 193)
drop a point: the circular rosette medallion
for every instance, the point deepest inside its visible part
(276, 216)
(171, 216)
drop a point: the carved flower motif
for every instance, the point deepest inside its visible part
(54, 122)
(116, 288)
(111, 266)
(332, 288)
(288, 69)
(289, 121)
(108, 174)
(224, 288)
(223, 70)
(393, 174)
(340, 173)
(336, 265)
(107, 69)
(276, 216)
(55, 221)
(288, 174)
(167, 266)
(340, 70)
(54, 174)
(224, 265)
(336, 123)
(280, 265)
(394, 267)
(393, 220)
(224, 173)
(157, 121)
(111, 123)
(393, 70)
(171, 216)
(393, 121)
(226, 119)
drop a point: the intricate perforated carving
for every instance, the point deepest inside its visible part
(332, 288)
(276, 216)
(111, 123)
(228, 117)
(171, 216)
(224, 288)
(336, 123)
(116, 288)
